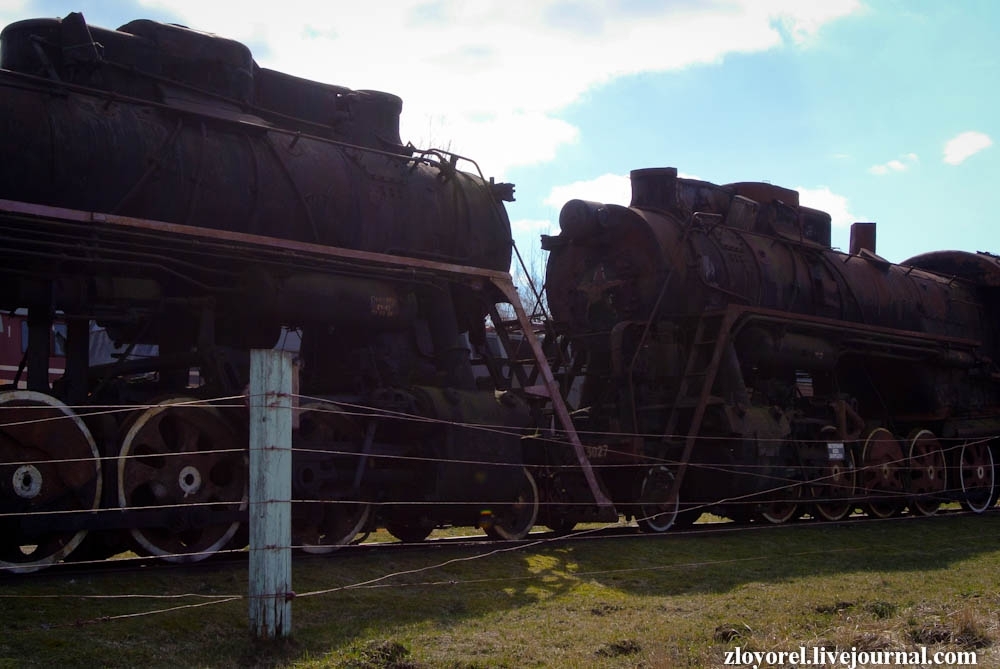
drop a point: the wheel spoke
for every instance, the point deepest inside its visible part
(188, 436)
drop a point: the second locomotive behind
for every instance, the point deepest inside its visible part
(773, 374)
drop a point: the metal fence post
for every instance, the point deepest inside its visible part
(270, 586)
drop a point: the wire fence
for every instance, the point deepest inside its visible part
(950, 447)
(782, 482)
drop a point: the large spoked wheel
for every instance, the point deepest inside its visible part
(658, 504)
(48, 464)
(322, 519)
(835, 486)
(184, 459)
(514, 521)
(976, 476)
(883, 474)
(926, 472)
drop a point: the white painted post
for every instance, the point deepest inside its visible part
(270, 494)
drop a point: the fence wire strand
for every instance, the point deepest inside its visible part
(775, 485)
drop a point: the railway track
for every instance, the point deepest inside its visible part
(383, 545)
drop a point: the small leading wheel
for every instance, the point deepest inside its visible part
(514, 521)
(658, 503)
(48, 464)
(781, 511)
(926, 472)
(335, 524)
(324, 466)
(561, 525)
(409, 530)
(185, 459)
(976, 476)
(883, 474)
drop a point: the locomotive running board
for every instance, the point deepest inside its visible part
(92, 227)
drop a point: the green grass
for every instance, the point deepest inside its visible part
(670, 601)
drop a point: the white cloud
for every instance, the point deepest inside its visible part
(824, 199)
(492, 67)
(616, 189)
(965, 145)
(802, 22)
(607, 189)
(12, 10)
(534, 226)
(498, 143)
(900, 164)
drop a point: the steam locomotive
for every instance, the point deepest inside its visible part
(161, 186)
(717, 327)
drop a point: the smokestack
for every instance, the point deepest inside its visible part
(654, 187)
(862, 237)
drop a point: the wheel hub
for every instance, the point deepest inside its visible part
(189, 479)
(27, 481)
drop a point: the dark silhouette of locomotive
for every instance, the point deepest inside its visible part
(160, 185)
(156, 122)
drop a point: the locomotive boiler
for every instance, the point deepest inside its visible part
(158, 183)
(742, 364)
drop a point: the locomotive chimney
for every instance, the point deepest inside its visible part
(862, 237)
(654, 187)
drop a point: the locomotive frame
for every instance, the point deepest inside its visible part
(96, 241)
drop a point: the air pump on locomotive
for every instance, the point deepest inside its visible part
(159, 185)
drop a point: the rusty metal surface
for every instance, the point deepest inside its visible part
(196, 238)
(978, 268)
(911, 346)
(220, 244)
(202, 136)
(558, 404)
(613, 272)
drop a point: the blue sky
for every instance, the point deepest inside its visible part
(875, 110)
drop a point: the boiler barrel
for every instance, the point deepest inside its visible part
(96, 154)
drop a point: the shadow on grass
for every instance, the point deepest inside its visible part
(707, 562)
(356, 608)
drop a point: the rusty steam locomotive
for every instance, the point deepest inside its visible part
(156, 181)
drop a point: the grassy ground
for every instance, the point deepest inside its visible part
(670, 601)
